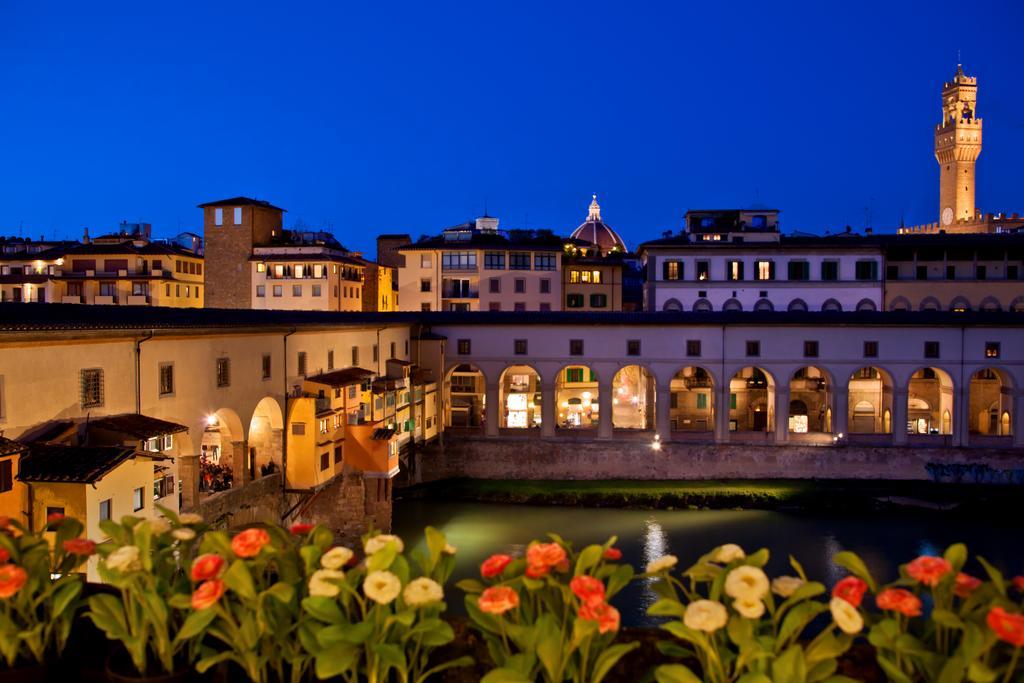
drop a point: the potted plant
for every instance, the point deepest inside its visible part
(143, 563)
(381, 620)
(548, 616)
(39, 594)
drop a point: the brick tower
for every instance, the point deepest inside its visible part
(957, 146)
(231, 228)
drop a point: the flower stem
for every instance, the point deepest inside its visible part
(1013, 665)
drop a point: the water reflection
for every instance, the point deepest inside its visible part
(882, 540)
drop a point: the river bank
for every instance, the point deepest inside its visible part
(777, 494)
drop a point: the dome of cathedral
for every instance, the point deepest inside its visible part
(597, 232)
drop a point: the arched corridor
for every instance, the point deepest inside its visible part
(265, 439)
(222, 453)
(870, 401)
(691, 407)
(990, 403)
(751, 401)
(520, 397)
(633, 398)
(576, 398)
(467, 387)
(810, 401)
(930, 402)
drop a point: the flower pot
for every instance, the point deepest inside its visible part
(26, 674)
(118, 672)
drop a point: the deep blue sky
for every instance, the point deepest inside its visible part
(382, 117)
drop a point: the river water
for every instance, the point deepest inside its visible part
(883, 540)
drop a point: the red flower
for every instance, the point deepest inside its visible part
(1018, 583)
(965, 585)
(1007, 626)
(494, 565)
(928, 569)
(250, 542)
(12, 578)
(850, 589)
(80, 546)
(612, 554)
(302, 529)
(606, 616)
(207, 594)
(589, 590)
(498, 600)
(542, 557)
(4, 556)
(899, 600)
(207, 567)
(54, 518)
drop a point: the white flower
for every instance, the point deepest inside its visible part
(785, 586)
(422, 591)
(124, 559)
(666, 562)
(190, 518)
(183, 534)
(322, 583)
(751, 609)
(705, 615)
(335, 558)
(380, 541)
(158, 525)
(846, 616)
(382, 586)
(449, 549)
(746, 583)
(724, 554)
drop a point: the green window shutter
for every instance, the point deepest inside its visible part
(732, 401)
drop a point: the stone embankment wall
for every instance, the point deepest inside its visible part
(258, 501)
(482, 458)
(348, 505)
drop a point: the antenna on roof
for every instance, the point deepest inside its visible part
(486, 215)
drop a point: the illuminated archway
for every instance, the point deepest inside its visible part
(930, 402)
(751, 401)
(870, 401)
(222, 448)
(467, 396)
(692, 398)
(519, 394)
(810, 387)
(990, 403)
(576, 398)
(265, 438)
(633, 398)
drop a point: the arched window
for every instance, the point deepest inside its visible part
(702, 305)
(672, 305)
(732, 305)
(831, 305)
(763, 305)
(866, 305)
(797, 305)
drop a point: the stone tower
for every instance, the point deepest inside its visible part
(231, 228)
(957, 146)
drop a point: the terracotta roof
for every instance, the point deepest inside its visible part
(342, 378)
(71, 464)
(382, 434)
(241, 201)
(137, 426)
(9, 447)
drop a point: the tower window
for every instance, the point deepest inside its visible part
(218, 216)
(238, 215)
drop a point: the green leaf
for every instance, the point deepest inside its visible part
(608, 658)
(892, 671)
(107, 612)
(956, 555)
(797, 567)
(790, 666)
(754, 677)
(435, 543)
(66, 596)
(797, 618)
(758, 559)
(336, 660)
(195, 624)
(619, 579)
(323, 609)
(471, 586)
(281, 591)
(239, 580)
(461, 661)
(390, 654)
(588, 558)
(549, 644)
(666, 608)
(675, 673)
(504, 676)
(383, 558)
(978, 672)
(953, 671)
(944, 617)
(994, 574)
(856, 566)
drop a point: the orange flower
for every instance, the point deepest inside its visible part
(301, 529)
(4, 556)
(589, 590)
(899, 600)
(207, 566)
(249, 542)
(1018, 583)
(207, 594)
(498, 600)
(1007, 626)
(850, 589)
(80, 546)
(612, 554)
(12, 578)
(494, 565)
(606, 616)
(542, 557)
(965, 585)
(929, 569)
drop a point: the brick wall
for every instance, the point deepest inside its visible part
(259, 501)
(348, 505)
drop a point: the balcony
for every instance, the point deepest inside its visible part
(105, 300)
(460, 293)
(71, 299)
(138, 300)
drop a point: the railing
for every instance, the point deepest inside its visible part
(471, 293)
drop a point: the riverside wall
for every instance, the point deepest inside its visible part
(496, 458)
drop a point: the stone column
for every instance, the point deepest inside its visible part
(494, 409)
(961, 417)
(899, 416)
(188, 481)
(240, 463)
(841, 410)
(604, 391)
(548, 409)
(1017, 419)
(662, 403)
(781, 414)
(721, 408)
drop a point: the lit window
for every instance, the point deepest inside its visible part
(218, 216)
(238, 215)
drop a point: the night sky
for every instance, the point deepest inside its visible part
(387, 117)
